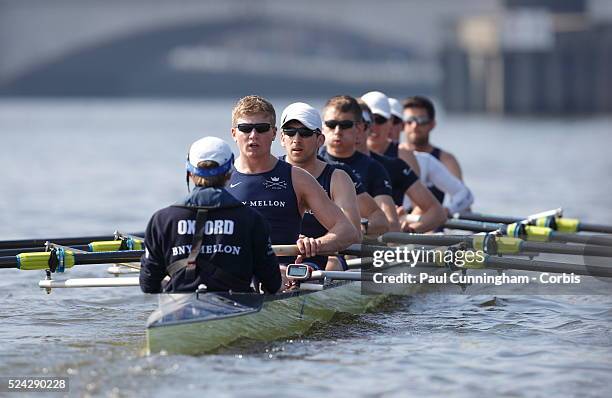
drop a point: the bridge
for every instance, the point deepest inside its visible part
(231, 47)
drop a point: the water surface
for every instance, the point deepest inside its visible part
(89, 167)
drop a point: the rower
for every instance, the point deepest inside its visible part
(209, 238)
(405, 182)
(419, 121)
(435, 175)
(301, 137)
(342, 116)
(397, 125)
(329, 174)
(431, 171)
(378, 137)
(279, 191)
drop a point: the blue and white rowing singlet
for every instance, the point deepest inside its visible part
(272, 194)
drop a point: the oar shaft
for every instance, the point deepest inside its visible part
(605, 229)
(584, 239)
(421, 239)
(487, 218)
(81, 240)
(561, 248)
(554, 236)
(14, 252)
(90, 282)
(476, 226)
(581, 226)
(134, 255)
(124, 256)
(547, 266)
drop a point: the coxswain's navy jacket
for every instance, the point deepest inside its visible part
(236, 241)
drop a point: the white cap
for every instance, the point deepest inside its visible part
(396, 108)
(366, 116)
(303, 113)
(210, 148)
(378, 103)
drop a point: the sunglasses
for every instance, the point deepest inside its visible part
(302, 131)
(419, 120)
(259, 127)
(343, 124)
(396, 120)
(378, 119)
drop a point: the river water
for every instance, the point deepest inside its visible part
(70, 168)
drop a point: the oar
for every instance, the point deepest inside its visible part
(495, 244)
(89, 282)
(502, 263)
(529, 232)
(130, 243)
(14, 252)
(40, 242)
(43, 260)
(67, 258)
(554, 221)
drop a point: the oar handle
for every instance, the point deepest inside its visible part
(285, 250)
(353, 250)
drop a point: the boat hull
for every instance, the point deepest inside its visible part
(196, 324)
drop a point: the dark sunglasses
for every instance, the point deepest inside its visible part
(343, 124)
(302, 131)
(419, 120)
(396, 120)
(259, 127)
(378, 119)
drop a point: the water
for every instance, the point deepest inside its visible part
(89, 167)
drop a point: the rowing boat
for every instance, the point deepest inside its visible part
(203, 322)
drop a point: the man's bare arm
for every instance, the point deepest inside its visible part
(408, 156)
(433, 215)
(344, 196)
(451, 164)
(340, 231)
(385, 202)
(377, 221)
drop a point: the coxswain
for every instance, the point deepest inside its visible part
(280, 192)
(209, 239)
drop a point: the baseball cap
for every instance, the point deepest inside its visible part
(303, 113)
(396, 108)
(210, 148)
(378, 103)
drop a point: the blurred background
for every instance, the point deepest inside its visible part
(510, 56)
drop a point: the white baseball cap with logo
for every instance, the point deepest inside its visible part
(303, 113)
(396, 108)
(211, 149)
(378, 103)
